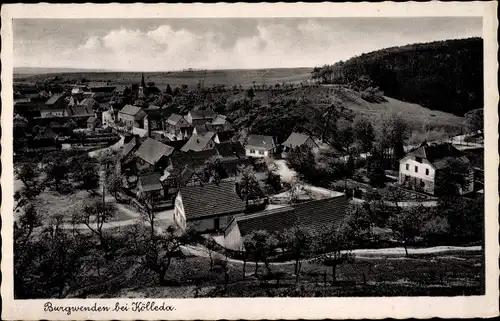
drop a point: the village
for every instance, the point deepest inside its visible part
(208, 189)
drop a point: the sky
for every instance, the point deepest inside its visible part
(220, 43)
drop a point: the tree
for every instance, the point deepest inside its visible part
(28, 174)
(94, 216)
(394, 132)
(302, 160)
(452, 179)
(474, 120)
(346, 136)
(260, 245)
(405, 223)
(298, 240)
(375, 169)
(249, 188)
(114, 184)
(364, 133)
(28, 221)
(357, 225)
(214, 170)
(332, 248)
(168, 90)
(56, 169)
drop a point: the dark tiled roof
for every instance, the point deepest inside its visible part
(296, 139)
(79, 110)
(260, 141)
(150, 182)
(130, 110)
(54, 99)
(174, 119)
(211, 200)
(230, 149)
(272, 220)
(203, 114)
(191, 159)
(197, 143)
(324, 212)
(438, 155)
(151, 151)
(129, 147)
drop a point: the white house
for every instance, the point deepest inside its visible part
(419, 169)
(260, 146)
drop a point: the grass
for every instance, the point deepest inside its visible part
(438, 275)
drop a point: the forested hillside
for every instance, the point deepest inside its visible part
(444, 75)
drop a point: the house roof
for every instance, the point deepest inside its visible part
(219, 120)
(261, 141)
(230, 149)
(203, 114)
(296, 139)
(54, 99)
(120, 88)
(201, 130)
(151, 151)
(92, 119)
(197, 143)
(174, 119)
(177, 144)
(130, 110)
(89, 102)
(150, 182)
(79, 110)
(192, 159)
(211, 200)
(319, 212)
(129, 147)
(439, 155)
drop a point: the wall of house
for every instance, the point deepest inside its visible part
(423, 179)
(208, 224)
(51, 113)
(254, 152)
(232, 237)
(179, 214)
(126, 119)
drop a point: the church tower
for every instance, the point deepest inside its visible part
(142, 88)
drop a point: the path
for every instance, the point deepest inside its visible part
(396, 252)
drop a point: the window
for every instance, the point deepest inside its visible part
(261, 152)
(407, 167)
(252, 151)
(416, 169)
(426, 171)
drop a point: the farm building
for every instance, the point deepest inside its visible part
(260, 146)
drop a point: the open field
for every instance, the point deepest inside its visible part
(440, 274)
(242, 77)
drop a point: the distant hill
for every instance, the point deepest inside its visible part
(244, 77)
(443, 75)
(41, 70)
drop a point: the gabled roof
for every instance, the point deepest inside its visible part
(129, 147)
(79, 110)
(211, 200)
(54, 99)
(197, 143)
(260, 141)
(320, 212)
(296, 140)
(192, 159)
(150, 182)
(230, 149)
(151, 151)
(439, 155)
(174, 119)
(203, 114)
(219, 120)
(130, 110)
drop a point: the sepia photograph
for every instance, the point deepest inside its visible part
(246, 157)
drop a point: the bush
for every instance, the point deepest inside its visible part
(66, 188)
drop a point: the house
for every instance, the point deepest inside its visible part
(54, 106)
(76, 91)
(198, 143)
(92, 123)
(153, 153)
(200, 117)
(325, 212)
(260, 146)
(130, 147)
(149, 186)
(121, 90)
(79, 110)
(207, 207)
(420, 168)
(296, 140)
(107, 118)
(219, 120)
(175, 123)
(132, 116)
